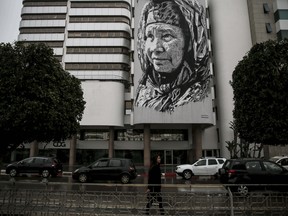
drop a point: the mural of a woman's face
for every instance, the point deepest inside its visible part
(164, 45)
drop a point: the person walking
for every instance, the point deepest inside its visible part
(154, 185)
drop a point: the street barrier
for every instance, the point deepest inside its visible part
(20, 199)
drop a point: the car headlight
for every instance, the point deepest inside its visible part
(76, 171)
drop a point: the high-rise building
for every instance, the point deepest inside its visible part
(135, 104)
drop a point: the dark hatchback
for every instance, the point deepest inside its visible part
(44, 166)
(253, 174)
(120, 169)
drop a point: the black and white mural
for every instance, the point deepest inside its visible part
(173, 54)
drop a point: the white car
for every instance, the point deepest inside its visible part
(204, 166)
(282, 160)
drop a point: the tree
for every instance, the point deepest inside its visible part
(39, 101)
(242, 148)
(260, 85)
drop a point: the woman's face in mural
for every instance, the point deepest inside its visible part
(164, 45)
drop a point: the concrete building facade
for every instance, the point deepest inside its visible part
(96, 41)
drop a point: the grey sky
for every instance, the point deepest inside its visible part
(10, 16)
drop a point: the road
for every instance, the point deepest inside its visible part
(65, 183)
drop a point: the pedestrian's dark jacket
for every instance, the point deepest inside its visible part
(154, 179)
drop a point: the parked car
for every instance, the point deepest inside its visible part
(251, 174)
(45, 166)
(107, 169)
(282, 160)
(204, 166)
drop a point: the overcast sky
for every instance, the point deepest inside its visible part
(10, 16)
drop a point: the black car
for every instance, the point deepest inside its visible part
(45, 166)
(251, 174)
(107, 169)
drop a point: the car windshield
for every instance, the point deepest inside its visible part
(274, 159)
(272, 168)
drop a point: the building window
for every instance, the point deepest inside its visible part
(100, 66)
(266, 8)
(42, 30)
(97, 50)
(281, 14)
(98, 34)
(128, 107)
(98, 19)
(130, 135)
(43, 16)
(43, 3)
(268, 28)
(100, 5)
(48, 43)
(211, 153)
(169, 135)
(93, 135)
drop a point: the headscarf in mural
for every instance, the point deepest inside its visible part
(173, 52)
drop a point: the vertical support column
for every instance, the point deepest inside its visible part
(197, 142)
(72, 152)
(111, 142)
(34, 148)
(13, 156)
(147, 146)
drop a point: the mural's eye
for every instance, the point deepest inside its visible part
(150, 36)
(167, 37)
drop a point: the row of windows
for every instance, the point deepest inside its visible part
(41, 30)
(100, 66)
(77, 34)
(77, 19)
(96, 19)
(36, 3)
(55, 44)
(43, 16)
(134, 135)
(98, 34)
(98, 50)
(100, 5)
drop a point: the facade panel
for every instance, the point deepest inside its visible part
(231, 40)
(104, 103)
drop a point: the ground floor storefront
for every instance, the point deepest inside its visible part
(176, 146)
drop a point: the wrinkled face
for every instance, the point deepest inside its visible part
(164, 45)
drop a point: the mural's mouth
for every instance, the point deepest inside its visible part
(160, 61)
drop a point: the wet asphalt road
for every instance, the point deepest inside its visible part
(65, 183)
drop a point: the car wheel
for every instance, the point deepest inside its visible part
(45, 173)
(13, 172)
(243, 190)
(82, 178)
(187, 174)
(125, 178)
